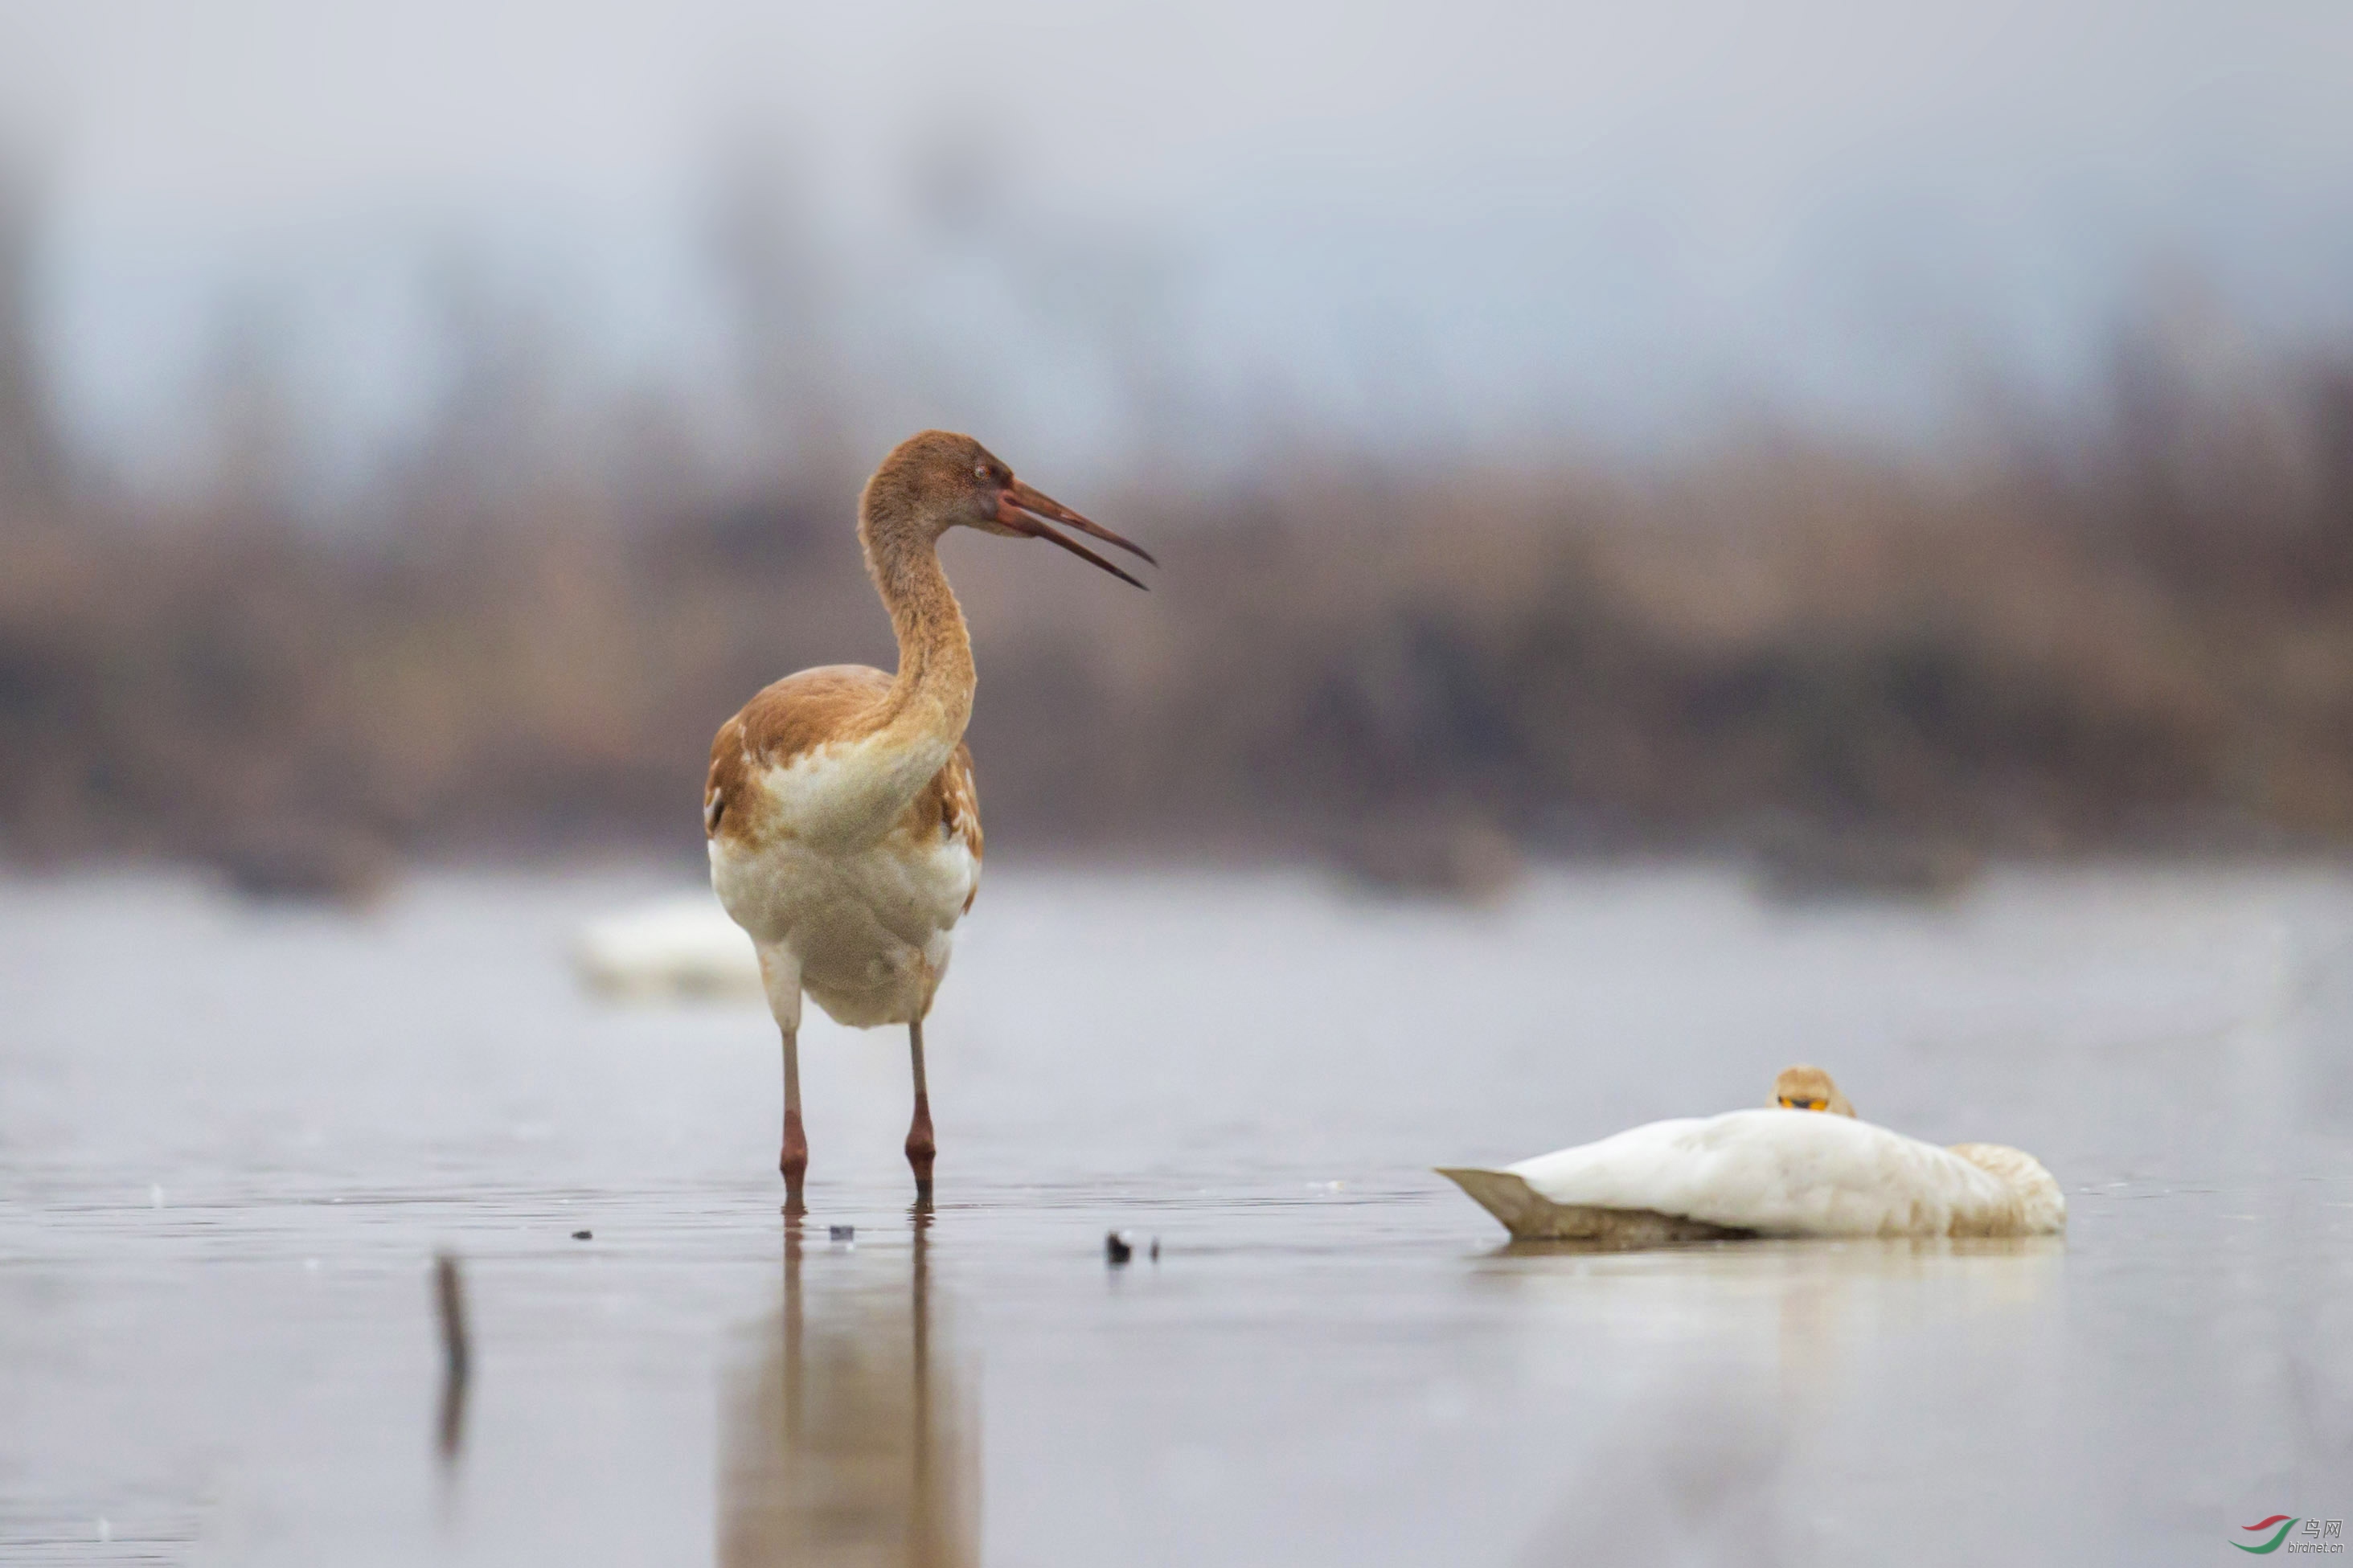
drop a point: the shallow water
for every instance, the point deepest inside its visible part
(232, 1139)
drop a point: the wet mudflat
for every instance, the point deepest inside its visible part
(232, 1139)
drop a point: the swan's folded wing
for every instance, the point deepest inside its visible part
(1782, 1172)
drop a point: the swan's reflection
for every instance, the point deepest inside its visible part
(1808, 1300)
(1732, 1364)
(848, 1438)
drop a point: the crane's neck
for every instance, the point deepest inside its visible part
(930, 700)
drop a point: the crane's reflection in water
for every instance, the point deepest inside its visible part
(848, 1435)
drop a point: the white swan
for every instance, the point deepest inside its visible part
(1805, 1167)
(684, 946)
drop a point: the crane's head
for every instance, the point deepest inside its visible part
(1805, 1087)
(939, 479)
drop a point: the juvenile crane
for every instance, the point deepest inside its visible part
(844, 832)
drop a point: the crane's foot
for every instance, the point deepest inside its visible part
(920, 1149)
(793, 1163)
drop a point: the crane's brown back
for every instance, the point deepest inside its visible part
(790, 718)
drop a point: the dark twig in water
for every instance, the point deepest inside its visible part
(457, 1352)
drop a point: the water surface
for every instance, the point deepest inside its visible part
(232, 1139)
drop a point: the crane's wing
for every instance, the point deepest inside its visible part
(787, 719)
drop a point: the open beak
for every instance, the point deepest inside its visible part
(1034, 512)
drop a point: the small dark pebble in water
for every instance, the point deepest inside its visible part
(583, 1235)
(842, 1232)
(1117, 1246)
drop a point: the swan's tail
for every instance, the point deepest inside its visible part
(1507, 1196)
(1530, 1215)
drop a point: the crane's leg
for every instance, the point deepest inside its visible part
(920, 1147)
(780, 973)
(793, 1161)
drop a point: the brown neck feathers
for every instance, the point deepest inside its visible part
(933, 689)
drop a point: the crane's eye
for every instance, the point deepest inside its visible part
(980, 471)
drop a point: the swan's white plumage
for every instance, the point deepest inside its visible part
(677, 946)
(1796, 1172)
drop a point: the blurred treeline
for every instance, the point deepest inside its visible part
(2130, 628)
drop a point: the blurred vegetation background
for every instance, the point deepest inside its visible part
(2117, 624)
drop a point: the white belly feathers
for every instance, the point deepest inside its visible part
(863, 901)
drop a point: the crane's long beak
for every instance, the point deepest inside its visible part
(1031, 511)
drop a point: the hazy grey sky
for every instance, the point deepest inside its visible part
(1460, 222)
